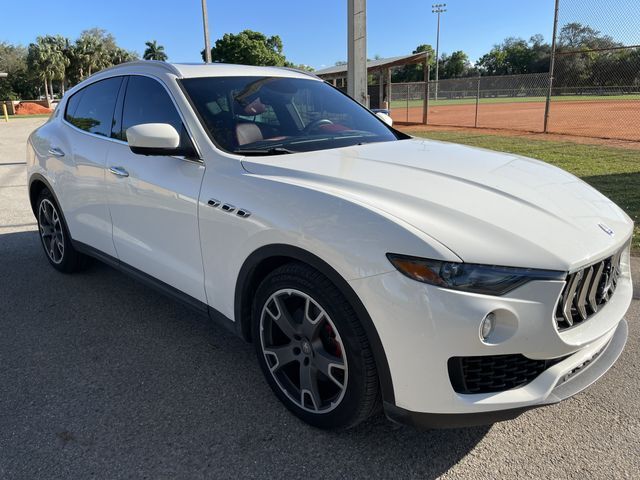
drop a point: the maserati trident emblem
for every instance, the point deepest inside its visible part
(606, 229)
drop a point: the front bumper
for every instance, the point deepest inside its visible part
(588, 372)
(421, 327)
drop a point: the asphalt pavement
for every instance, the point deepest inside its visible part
(102, 377)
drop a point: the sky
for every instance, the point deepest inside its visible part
(313, 33)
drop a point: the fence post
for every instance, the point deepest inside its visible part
(425, 100)
(427, 93)
(389, 89)
(407, 102)
(475, 124)
(381, 89)
(551, 67)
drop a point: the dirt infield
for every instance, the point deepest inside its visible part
(597, 119)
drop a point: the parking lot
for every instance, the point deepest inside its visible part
(102, 377)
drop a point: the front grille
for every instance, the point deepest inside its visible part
(494, 373)
(586, 291)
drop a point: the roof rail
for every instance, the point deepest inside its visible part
(167, 67)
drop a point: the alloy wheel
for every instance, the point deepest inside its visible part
(51, 232)
(303, 351)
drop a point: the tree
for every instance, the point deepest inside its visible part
(120, 55)
(21, 82)
(92, 52)
(53, 60)
(454, 65)
(414, 73)
(575, 36)
(46, 61)
(589, 68)
(154, 52)
(249, 48)
(300, 66)
(516, 56)
(59, 62)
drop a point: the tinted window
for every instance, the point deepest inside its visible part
(146, 101)
(252, 115)
(72, 104)
(91, 108)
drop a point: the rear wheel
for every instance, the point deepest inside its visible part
(55, 237)
(312, 348)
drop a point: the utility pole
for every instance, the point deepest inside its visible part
(438, 8)
(357, 50)
(205, 24)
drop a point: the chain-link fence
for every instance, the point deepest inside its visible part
(596, 69)
(593, 88)
(514, 102)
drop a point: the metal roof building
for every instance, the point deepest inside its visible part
(373, 66)
(380, 68)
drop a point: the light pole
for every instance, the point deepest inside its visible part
(205, 24)
(438, 8)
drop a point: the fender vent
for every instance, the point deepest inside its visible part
(228, 208)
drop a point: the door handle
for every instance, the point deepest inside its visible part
(56, 152)
(119, 171)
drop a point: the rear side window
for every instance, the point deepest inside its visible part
(91, 109)
(147, 101)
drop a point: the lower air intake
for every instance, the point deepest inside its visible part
(494, 373)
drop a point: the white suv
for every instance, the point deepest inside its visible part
(449, 285)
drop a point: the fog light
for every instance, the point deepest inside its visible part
(487, 325)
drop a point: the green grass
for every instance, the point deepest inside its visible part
(613, 171)
(558, 98)
(18, 117)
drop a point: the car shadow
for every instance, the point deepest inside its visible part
(102, 374)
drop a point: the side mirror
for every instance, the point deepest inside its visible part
(385, 118)
(154, 139)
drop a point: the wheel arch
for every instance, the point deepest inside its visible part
(37, 183)
(267, 258)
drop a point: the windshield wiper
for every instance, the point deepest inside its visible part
(264, 151)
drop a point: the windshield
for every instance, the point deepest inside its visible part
(277, 115)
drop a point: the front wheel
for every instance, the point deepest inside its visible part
(312, 348)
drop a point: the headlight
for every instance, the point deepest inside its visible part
(469, 277)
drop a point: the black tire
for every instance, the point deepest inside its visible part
(54, 235)
(358, 397)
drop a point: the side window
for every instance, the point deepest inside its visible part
(91, 108)
(146, 101)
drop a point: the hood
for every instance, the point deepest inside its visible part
(487, 207)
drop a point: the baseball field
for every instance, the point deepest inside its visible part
(589, 115)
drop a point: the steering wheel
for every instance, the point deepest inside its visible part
(316, 124)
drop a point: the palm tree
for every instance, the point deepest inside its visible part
(92, 53)
(59, 62)
(39, 61)
(120, 55)
(154, 52)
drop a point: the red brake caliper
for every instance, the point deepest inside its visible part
(332, 337)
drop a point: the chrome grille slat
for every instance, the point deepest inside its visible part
(568, 297)
(581, 297)
(593, 303)
(587, 290)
